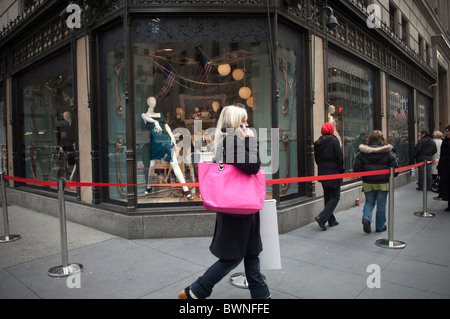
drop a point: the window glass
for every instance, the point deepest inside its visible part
(115, 127)
(190, 85)
(3, 154)
(288, 119)
(49, 122)
(350, 95)
(424, 113)
(397, 119)
(191, 75)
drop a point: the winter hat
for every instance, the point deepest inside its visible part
(328, 128)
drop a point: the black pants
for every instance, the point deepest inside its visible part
(332, 195)
(444, 187)
(429, 177)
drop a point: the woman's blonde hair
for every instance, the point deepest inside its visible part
(230, 118)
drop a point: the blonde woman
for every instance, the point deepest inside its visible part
(236, 237)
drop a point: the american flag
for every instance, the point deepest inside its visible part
(203, 71)
(400, 114)
(169, 80)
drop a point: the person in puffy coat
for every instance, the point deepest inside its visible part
(329, 158)
(425, 149)
(375, 155)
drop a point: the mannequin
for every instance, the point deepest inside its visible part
(179, 123)
(162, 143)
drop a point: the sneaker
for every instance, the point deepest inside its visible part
(320, 222)
(382, 229)
(366, 226)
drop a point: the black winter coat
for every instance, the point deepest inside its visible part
(444, 169)
(329, 158)
(374, 158)
(425, 149)
(237, 236)
(444, 159)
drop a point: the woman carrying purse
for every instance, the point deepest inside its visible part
(236, 237)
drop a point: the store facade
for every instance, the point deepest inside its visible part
(76, 97)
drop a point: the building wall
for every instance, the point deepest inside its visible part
(421, 23)
(9, 10)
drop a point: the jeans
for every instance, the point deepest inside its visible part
(379, 198)
(332, 196)
(203, 286)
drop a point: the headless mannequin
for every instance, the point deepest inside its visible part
(148, 117)
(179, 122)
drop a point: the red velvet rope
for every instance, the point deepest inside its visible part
(268, 182)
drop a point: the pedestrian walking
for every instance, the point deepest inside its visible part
(376, 155)
(444, 167)
(424, 151)
(236, 237)
(329, 159)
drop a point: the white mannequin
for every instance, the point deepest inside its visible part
(147, 117)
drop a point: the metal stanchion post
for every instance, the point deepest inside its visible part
(424, 213)
(390, 242)
(7, 238)
(65, 269)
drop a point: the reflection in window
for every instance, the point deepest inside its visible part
(191, 84)
(397, 120)
(424, 113)
(287, 119)
(350, 96)
(3, 156)
(50, 129)
(116, 128)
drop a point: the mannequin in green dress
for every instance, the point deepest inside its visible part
(162, 143)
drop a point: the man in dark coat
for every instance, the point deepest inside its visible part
(425, 149)
(444, 167)
(329, 158)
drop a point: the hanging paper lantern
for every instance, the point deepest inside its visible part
(245, 92)
(215, 106)
(224, 69)
(238, 74)
(250, 102)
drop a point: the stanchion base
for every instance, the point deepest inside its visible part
(7, 239)
(239, 280)
(424, 214)
(61, 271)
(393, 244)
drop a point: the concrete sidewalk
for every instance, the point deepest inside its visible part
(315, 263)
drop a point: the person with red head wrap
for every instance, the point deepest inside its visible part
(330, 160)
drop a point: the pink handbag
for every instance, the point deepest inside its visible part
(225, 188)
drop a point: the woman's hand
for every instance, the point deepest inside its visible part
(244, 131)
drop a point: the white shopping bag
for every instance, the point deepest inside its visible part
(270, 257)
